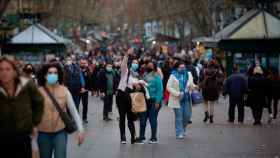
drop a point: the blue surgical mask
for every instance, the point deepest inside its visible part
(182, 71)
(134, 66)
(52, 79)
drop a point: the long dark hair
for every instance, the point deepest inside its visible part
(177, 64)
(44, 70)
(154, 65)
(24, 69)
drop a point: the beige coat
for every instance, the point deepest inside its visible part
(51, 121)
(174, 90)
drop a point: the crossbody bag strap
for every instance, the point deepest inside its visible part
(55, 103)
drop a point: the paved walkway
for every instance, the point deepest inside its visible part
(219, 140)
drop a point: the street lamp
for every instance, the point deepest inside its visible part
(88, 41)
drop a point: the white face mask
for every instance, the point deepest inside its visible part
(68, 62)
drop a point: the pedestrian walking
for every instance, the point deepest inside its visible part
(236, 87)
(257, 85)
(88, 87)
(29, 72)
(108, 81)
(21, 111)
(74, 80)
(273, 94)
(179, 86)
(210, 89)
(52, 137)
(95, 68)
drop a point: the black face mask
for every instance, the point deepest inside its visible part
(28, 70)
(149, 70)
(84, 67)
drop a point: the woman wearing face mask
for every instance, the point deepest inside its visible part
(129, 79)
(52, 138)
(29, 71)
(155, 90)
(179, 85)
(20, 111)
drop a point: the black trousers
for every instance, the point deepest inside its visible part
(108, 105)
(233, 103)
(275, 106)
(124, 107)
(84, 98)
(257, 111)
(15, 146)
(76, 97)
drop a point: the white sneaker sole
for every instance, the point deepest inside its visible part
(153, 142)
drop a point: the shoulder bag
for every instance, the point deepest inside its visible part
(70, 124)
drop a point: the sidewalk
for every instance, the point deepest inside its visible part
(218, 140)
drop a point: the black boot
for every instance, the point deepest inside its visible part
(211, 119)
(206, 116)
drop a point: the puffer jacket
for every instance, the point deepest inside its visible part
(19, 114)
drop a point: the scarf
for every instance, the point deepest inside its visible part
(182, 78)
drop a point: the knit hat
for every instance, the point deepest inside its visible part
(258, 70)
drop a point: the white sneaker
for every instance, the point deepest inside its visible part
(270, 119)
(181, 136)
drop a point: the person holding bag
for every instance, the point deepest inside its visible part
(139, 97)
(56, 124)
(129, 77)
(155, 90)
(179, 85)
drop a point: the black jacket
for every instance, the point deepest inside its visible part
(257, 90)
(273, 88)
(192, 69)
(72, 78)
(87, 77)
(102, 81)
(94, 78)
(235, 86)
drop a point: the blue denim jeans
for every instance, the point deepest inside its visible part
(182, 117)
(50, 143)
(152, 115)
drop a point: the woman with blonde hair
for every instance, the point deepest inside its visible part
(20, 111)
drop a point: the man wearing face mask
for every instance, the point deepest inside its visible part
(108, 81)
(94, 77)
(74, 80)
(88, 87)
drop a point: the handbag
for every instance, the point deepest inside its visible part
(197, 97)
(138, 102)
(70, 124)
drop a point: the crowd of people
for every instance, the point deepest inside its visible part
(29, 96)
